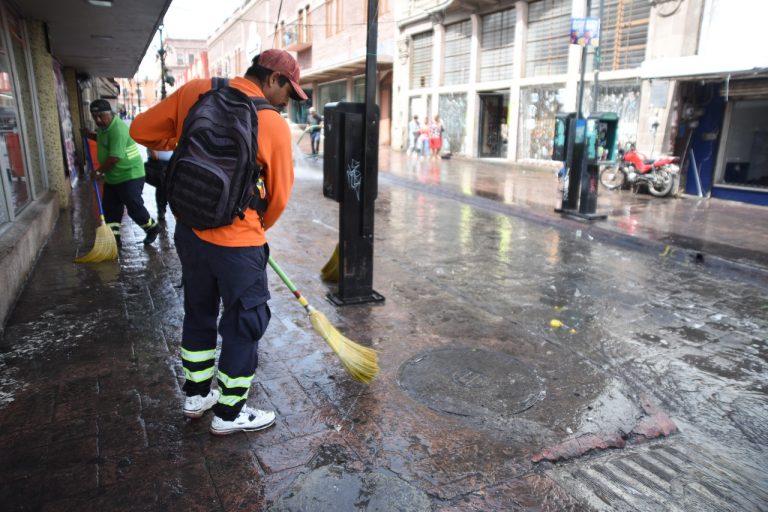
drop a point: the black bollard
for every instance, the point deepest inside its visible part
(353, 184)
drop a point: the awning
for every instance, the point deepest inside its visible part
(352, 67)
(698, 66)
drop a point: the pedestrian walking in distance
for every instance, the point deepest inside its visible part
(314, 121)
(413, 135)
(121, 165)
(227, 265)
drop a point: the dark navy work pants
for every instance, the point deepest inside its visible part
(234, 278)
(126, 194)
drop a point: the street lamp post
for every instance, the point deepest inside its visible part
(161, 53)
(125, 98)
(138, 94)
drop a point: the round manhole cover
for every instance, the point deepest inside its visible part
(471, 381)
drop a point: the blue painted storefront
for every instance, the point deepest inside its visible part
(705, 148)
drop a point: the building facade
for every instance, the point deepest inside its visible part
(329, 41)
(499, 72)
(49, 73)
(183, 57)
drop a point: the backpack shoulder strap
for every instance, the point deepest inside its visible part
(261, 103)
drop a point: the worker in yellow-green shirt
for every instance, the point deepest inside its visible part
(122, 166)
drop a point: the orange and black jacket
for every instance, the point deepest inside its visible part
(160, 128)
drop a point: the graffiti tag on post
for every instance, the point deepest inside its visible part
(354, 177)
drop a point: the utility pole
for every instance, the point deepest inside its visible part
(597, 62)
(138, 93)
(579, 112)
(125, 97)
(161, 54)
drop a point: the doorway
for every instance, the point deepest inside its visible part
(494, 125)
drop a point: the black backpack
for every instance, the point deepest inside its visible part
(213, 175)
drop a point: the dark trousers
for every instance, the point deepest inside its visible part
(125, 195)
(161, 200)
(236, 279)
(314, 139)
(155, 177)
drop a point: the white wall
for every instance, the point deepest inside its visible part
(734, 28)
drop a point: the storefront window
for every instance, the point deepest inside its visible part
(538, 107)
(358, 89)
(300, 109)
(329, 93)
(746, 148)
(12, 159)
(453, 112)
(420, 106)
(622, 98)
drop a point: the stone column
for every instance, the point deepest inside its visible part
(521, 35)
(42, 67)
(438, 49)
(571, 100)
(474, 66)
(75, 109)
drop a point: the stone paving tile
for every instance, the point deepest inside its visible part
(296, 452)
(101, 381)
(137, 465)
(22, 494)
(244, 496)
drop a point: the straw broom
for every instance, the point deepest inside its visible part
(362, 363)
(105, 245)
(330, 271)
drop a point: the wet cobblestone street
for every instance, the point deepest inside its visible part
(659, 359)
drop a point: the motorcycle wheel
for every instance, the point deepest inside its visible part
(661, 185)
(612, 178)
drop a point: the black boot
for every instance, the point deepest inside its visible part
(152, 230)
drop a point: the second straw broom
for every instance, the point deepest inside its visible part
(362, 363)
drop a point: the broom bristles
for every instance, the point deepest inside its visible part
(104, 246)
(330, 271)
(362, 363)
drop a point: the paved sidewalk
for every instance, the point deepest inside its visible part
(727, 235)
(478, 393)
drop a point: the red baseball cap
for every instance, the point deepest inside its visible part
(283, 62)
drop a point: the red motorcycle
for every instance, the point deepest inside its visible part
(635, 169)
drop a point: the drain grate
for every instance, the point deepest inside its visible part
(471, 382)
(664, 478)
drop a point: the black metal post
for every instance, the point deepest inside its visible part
(353, 179)
(579, 112)
(597, 61)
(371, 121)
(161, 53)
(138, 94)
(583, 177)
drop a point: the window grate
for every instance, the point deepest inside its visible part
(623, 33)
(458, 38)
(497, 46)
(549, 25)
(421, 60)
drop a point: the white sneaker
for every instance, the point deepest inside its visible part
(248, 420)
(195, 406)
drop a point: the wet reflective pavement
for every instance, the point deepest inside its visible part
(647, 393)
